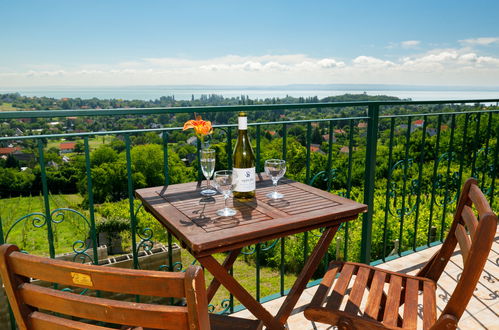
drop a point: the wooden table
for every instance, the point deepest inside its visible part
(192, 219)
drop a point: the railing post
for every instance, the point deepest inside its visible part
(258, 142)
(46, 203)
(133, 221)
(371, 146)
(308, 141)
(90, 194)
(166, 168)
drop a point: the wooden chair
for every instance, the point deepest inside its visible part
(30, 302)
(390, 293)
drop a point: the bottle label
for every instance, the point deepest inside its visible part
(245, 179)
(242, 122)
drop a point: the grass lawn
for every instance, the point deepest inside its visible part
(245, 274)
(27, 236)
(7, 107)
(93, 142)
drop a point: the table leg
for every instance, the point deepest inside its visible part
(306, 273)
(215, 283)
(219, 272)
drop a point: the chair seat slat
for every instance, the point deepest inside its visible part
(393, 301)
(340, 287)
(375, 294)
(429, 305)
(325, 286)
(359, 286)
(107, 310)
(411, 304)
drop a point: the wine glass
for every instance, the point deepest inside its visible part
(224, 182)
(208, 167)
(275, 169)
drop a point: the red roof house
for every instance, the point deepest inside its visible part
(418, 123)
(314, 148)
(66, 147)
(9, 150)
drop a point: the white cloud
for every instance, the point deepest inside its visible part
(438, 66)
(371, 62)
(330, 63)
(479, 41)
(450, 59)
(410, 43)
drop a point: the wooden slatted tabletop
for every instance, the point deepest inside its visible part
(192, 219)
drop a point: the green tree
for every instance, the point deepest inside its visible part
(118, 145)
(54, 150)
(11, 162)
(103, 154)
(15, 183)
(110, 181)
(316, 136)
(148, 160)
(79, 147)
(299, 132)
(186, 149)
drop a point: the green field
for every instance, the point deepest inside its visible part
(28, 236)
(245, 274)
(93, 142)
(7, 107)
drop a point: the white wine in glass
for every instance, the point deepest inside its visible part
(275, 169)
(208, 167)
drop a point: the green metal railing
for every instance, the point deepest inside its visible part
(410, 199)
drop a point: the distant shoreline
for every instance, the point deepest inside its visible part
(186, 92)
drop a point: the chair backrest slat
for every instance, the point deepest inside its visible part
(105, 310)
(470, 220)
(464, 241)
(43, 321)
(479, 200)
(30, 302)
(147, 283)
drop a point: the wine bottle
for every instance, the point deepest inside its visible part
(243, 165)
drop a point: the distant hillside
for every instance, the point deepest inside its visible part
(15, 101)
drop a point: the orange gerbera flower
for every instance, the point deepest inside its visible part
(201, 127)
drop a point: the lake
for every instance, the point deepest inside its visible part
(186, 92)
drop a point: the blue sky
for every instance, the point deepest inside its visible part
(248, 42)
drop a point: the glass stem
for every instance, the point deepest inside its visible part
(208, 183)
(275, 186)
(226, 199)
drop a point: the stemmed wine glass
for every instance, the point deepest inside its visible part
(208, 167)
(224, 182)
(275, 168)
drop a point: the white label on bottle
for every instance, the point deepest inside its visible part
(244, 179)
(242, 122)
